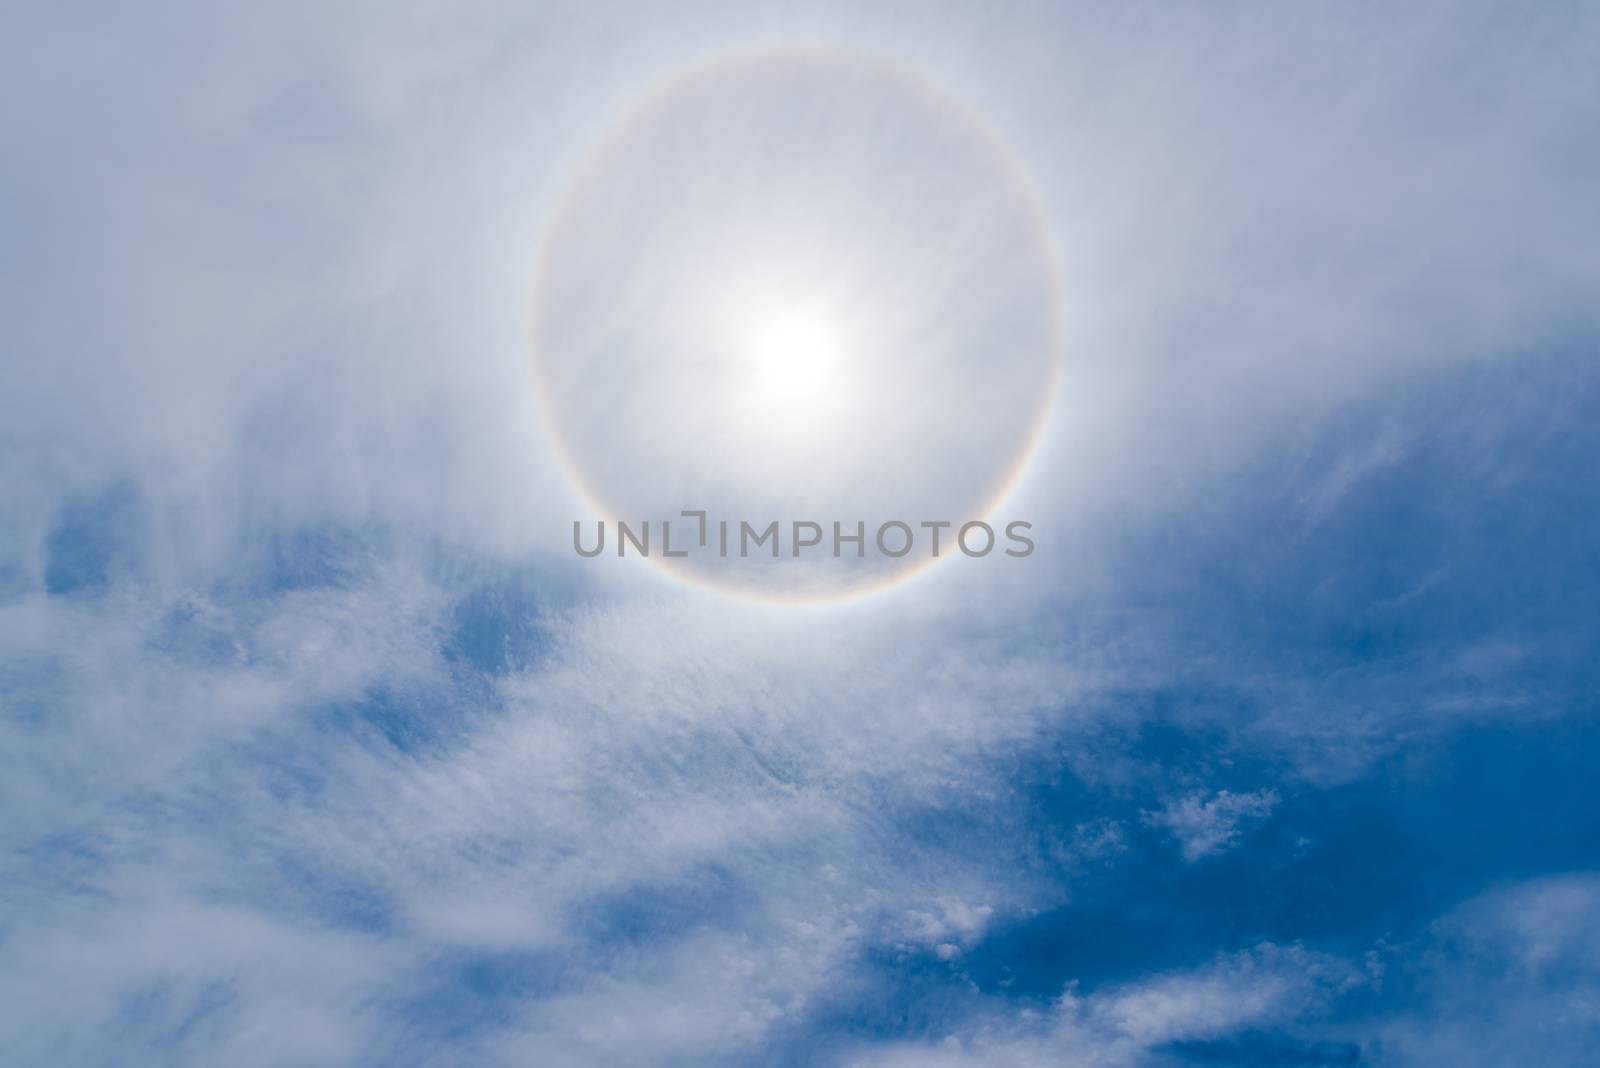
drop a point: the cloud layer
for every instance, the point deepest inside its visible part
(321, 747)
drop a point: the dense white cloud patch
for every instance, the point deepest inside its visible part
(1203, 827)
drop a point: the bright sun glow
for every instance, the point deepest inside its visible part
(796, 366)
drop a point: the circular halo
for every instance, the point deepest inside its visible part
(791, 354)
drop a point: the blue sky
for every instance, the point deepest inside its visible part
(319, 746)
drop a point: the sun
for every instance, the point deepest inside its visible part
(796, 370)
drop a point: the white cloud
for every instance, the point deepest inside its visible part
(276, 282)
(1204, 828)
(1510, 977)
(1269, 985)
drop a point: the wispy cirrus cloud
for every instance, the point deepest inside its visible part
(318, 746)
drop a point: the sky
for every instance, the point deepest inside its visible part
(320, 746)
